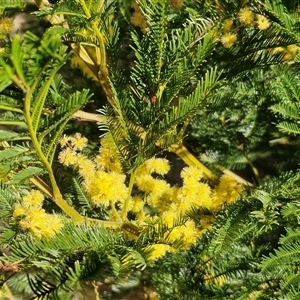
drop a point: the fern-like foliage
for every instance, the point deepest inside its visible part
(285, 90)
(32, 104)
(226, 262)
(90, 253)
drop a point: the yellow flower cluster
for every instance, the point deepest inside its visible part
(288, 53)
(246, 18)
(33, 218)
(154, 200)
(170, 203)
(103, 177)
(228, 39)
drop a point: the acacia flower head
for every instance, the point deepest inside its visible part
(33, 217)
(262, 22)
(33, 198)
(6, 25)
(158, 250)
(79, 142)
(293, 49)
(160, 166)
(246, 16)
(106, 188)
(64, 140)
(227, 25)
(67, 157)
(228, 39)
(186, 233)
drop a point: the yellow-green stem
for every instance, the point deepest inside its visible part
(7, 292)
(126, 203)
(58, 199)
(116, 213)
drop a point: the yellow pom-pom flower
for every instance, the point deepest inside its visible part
(64, 140)
(6, 25)
(33, 198)
(228, 39)
(34, 219)
(158, 250)
(79, 142)
(227, 25)
(262, 22)
(67, 157)
(106, 188)
(246, 16)
(293, 49)
(186, 233)
(160, 166)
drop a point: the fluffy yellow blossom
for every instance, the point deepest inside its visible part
(40, 224)
(228, 191)
(262, 22)
(186, 233)
(6, 25)
(169, 217)
(246, 16)
(108, 159)
(137, 18)
(160, 187)
(64, 140)
(86, 167)
(34, 219)
(79, 142)
(67, 157)
(138, 204)
(106, 188)
(227, 25)
(158, 250)
(19, 210)
(228, 39)
(160, 166)
(145, 183)
(33, 198)
(191, 173)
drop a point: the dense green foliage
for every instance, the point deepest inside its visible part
(218, 77)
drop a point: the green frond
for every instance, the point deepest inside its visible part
(7, 200)
(279, 12)
(288, 253)
(290, 111)
(5, 81)
(81, 196)
(8, 4)
(289, 127)
(21, 176)
(13, 153)
(7, 135)
(56, 121)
